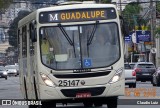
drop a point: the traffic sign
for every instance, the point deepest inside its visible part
(127, 39)
(143, 35)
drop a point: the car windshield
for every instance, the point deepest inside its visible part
(146, 66)
(11, 67)
(2, 68)
(127, 66)
(80, 46)
(132, 65)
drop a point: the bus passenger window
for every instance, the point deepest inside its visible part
(18, 42)
(24, 41)
(31, 33)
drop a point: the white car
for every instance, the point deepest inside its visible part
(130, 76)
(11, 70)
(3, 72)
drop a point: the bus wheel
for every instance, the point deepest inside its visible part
(32, 106)
(97, 104)
(35, 89)
(48, 105)
(25, 88)
(88, 104)
(112, 102)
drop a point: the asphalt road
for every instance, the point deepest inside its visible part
(9, 89)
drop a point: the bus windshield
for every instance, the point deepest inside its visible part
(80, 46)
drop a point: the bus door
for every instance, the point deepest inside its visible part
(24, 60)
(32, 62)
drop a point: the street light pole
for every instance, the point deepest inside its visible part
(120, 7)
(151, 21)
(152, 55)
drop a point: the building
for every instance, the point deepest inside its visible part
(6, 19)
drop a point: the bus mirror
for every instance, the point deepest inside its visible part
(61, 57)
(124, 27)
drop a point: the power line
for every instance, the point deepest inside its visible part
(33, 2)
(137, 2)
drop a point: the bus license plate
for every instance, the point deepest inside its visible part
(146, 74)
(83, 95)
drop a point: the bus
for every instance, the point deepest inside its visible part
(72, 53)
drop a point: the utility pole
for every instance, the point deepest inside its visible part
(151, 22)
(157, 41)
(120, 7)
(152, 55)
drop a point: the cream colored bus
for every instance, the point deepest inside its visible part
(72, 53)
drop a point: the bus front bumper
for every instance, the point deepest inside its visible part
(106, 90)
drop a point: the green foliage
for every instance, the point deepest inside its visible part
(4, 4)
(12, 32)
(158, 7)
(157, 31)
(102, 1)
(106, 1)
(131, 15)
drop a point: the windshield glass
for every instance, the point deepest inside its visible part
(2, 68)
(73, 47)
(127, 66)
(132, 65)
(10, 67)
(146, 66)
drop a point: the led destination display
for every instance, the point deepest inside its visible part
(77, 15)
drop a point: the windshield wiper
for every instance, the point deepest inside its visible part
(89, 41)
(65, 34)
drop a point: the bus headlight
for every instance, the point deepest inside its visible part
(46, 80)
(117, 76)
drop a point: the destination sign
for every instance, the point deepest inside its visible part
(77, 15)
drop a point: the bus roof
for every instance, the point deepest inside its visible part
(32, 16)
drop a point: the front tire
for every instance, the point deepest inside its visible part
(98, 104)
(87, 104)
(134, 85)
(32, 106)
(50, 104)
(112, 102)
(158, 82)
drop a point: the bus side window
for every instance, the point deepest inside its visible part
(24, 41)
(18, 43)
(31, 44)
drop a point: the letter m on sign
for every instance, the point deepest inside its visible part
(53, 17)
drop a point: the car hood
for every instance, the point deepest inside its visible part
(3, 71)
(13, 70)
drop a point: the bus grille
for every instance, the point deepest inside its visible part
(82, 75)
(72, 92)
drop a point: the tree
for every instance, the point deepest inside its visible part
(131, 14)
(158, 9)
(4, 4)
(102, 1)
(106, 1)
(12, 32)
